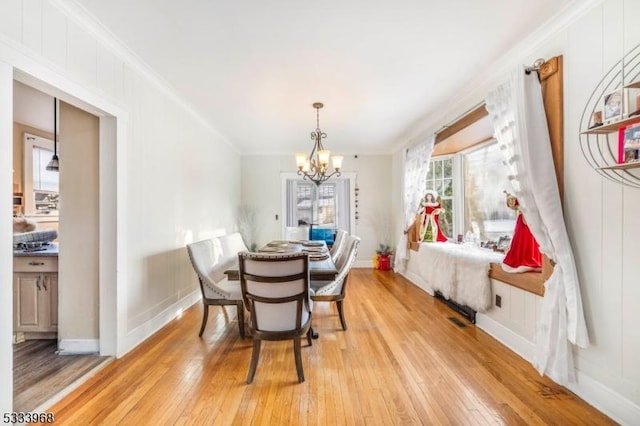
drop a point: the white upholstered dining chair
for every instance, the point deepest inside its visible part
(275, 289)
(336, 290)
(338, 244)
(231, 245)
(209, 262)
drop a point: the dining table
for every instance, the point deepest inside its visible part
(321, 266)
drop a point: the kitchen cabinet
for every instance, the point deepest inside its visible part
(35, 296)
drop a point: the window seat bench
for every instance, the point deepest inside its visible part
(458, 272)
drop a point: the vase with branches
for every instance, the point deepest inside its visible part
(381, 223)
(249, 224)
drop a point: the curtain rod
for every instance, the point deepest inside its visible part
(535, 67)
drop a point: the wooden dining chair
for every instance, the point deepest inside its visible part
(336, 290)
(275, 290)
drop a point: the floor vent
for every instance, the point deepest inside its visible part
(457, 322)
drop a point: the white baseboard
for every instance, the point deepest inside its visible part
(417, 281)
(611, 403)
(142, 332)
(523, 347)
(78, 346)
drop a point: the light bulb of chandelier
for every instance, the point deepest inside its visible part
(337, 161)
(323, 157)
(306, 166)
(300, 160)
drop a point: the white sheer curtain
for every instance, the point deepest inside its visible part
(416, 162)
(517, 112)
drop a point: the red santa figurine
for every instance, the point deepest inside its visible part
(524, 253)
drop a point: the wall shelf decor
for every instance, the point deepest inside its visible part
(601, 142)
(612, 127)
(622, 166)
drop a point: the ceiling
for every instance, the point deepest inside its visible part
(253, 68)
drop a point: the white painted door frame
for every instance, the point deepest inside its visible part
(111, 139)
(14, 64)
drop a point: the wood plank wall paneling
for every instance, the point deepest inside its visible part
(402, 361)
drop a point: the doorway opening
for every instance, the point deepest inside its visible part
(78, 331)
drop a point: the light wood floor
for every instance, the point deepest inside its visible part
(401, 362)
(39, 374)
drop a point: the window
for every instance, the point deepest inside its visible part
(440, 179)
(326, 205)
(43, 179)
(40, 184)
(485, 179)
(330, 205)
(475, 128)
(480, 201)
(302, 205)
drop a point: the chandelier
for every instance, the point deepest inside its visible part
(54, 164)
(315, 167)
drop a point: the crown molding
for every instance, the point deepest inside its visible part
(81, 16)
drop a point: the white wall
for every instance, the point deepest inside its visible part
(6, 230)
(261, 187)
(374, 200)
(601, 216)
(32, 108)
(177, 179)
(607, 259)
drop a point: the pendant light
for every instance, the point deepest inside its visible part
(53, 165)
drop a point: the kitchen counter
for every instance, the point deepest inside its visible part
(50, 250)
